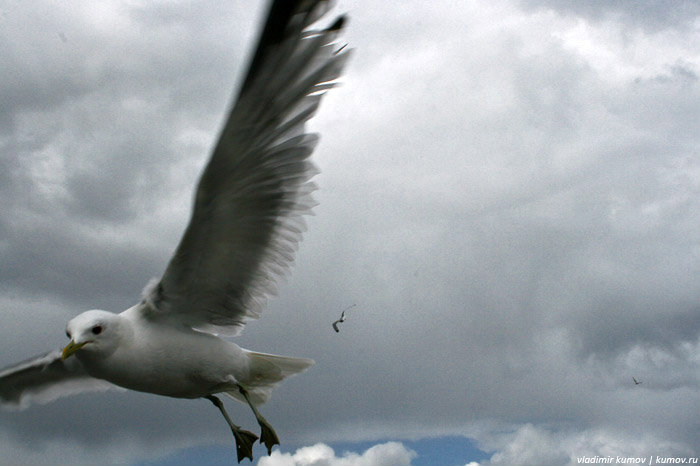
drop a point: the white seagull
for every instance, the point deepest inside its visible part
(245, 227)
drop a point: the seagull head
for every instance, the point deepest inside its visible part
(92, 332)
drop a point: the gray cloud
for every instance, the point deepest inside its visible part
(651, 15)
(517, 227)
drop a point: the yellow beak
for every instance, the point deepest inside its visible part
(71, 348)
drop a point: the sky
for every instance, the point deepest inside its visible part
(509, 194)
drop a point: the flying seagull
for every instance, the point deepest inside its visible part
(342, 319)
(635, 381)
(245, 226)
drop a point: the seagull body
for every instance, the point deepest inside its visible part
(172, 361)
(176, 362)
(245, 227)
(635, 381)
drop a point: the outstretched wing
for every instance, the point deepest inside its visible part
(45, 378)
(247, 218)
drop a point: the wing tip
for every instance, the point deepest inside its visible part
(338, 24)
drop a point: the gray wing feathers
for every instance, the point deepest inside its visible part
(44, 379)
(248, 211)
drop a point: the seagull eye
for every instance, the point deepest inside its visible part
(68, 334)
(97, 329)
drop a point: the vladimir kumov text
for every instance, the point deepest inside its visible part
(635, 460)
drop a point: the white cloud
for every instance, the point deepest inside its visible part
(384, 454)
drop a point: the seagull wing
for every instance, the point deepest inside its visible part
(45, 378)
(247, 218)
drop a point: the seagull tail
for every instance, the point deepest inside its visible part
(265, 372)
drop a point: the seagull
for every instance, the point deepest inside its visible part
(245, 226)
(635, 381)
(342, 319)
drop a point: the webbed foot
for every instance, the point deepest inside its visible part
(244, 443)
(268, 436)
(244, 438)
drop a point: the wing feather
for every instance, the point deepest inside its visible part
(249, 205)
(45, 378)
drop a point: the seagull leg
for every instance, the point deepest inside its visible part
(268, 436)
(244, 439)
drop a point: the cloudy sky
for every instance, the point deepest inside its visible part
(509, 193)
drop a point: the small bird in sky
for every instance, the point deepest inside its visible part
(245, 225)
(342, 318)
(636, 382)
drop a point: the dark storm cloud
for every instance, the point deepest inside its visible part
(96, 141)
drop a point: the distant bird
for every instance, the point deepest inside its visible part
(342, 318)
(635, 381)
(335, 324)
(245, 225)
